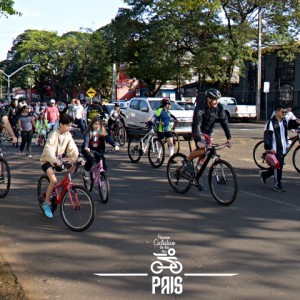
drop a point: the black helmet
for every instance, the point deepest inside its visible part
(165, 101)
(213, 93)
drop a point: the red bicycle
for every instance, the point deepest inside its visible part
(77, 208)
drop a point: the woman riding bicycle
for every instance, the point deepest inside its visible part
(163, 118)
(114, 115)
(204, 120)
(59, 142)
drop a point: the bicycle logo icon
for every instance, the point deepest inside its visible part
(173, 265)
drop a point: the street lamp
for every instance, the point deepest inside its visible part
(9, 76)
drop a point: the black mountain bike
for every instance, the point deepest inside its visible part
(259, 150)
(222, 179)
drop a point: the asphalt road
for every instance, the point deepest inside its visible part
(249, 250)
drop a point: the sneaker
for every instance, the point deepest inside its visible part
(117, 148)
(47, 210)
(279, 189)
(263, 177)
(29, 155)
(19, 152)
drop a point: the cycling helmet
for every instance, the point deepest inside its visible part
(213, 93)
(165, 101)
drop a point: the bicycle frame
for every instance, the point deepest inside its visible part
(147, 139)
(294, 140)
(66, 184)
(97, 169)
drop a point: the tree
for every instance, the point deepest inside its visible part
(6, 8)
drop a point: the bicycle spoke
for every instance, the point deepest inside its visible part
(223, 182)
(178, 179)
(77, 209)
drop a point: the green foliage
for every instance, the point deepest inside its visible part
(6, 8)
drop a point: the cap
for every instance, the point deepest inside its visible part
(52, 101)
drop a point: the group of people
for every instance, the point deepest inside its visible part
(60, 141)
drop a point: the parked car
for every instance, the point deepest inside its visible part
(187, 105)
(141, 110)
(238, 111)
(123, 103)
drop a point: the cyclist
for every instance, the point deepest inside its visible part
(276, 142)
(94, 110)
(203, 123)
(41, 125)
(113, 116)
(95, 137)
(163, 118)
(59, 141)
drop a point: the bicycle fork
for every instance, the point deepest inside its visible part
(74, 200)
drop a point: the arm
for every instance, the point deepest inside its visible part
(72, 150)
(9, 129)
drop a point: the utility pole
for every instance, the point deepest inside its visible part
(114, 75)
(258, 87)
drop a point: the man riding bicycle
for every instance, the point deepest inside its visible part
(114, 115)
(204, 120)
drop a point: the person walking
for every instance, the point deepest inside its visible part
(78, 115)
(26, 124)
(52, 115)
(13, 116)
(276, 143)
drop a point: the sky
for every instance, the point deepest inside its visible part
(60, 16)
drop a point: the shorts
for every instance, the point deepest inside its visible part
(206, 139)
(46, 166)
(166, 134)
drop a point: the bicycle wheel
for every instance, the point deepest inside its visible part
(42, 189)
(135, 150)
(4, 178)
(176, 142)
(156, 152)
(104, 188)
(258, 151)
(178, 180)
(88, 182)
(77, 209)
(222, 182)
(296, 159)
(122, 136)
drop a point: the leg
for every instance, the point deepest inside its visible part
(29, 140)
(23, 140)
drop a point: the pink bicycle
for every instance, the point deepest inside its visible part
(98, 175)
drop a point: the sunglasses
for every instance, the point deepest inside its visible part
(284, 112)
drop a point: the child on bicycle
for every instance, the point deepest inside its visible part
(59, 142)
(41, 125)
(95, 137)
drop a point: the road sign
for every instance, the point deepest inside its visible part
(91, 92)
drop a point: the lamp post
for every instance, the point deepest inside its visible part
(12, 74)
(258, 87)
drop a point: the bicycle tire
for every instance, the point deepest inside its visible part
(80, 216)
(296, 159)
(176, 142)
(222, 182)
(122, 136)
(42, 186)
(104, 188)
(89, 183)
(134, 149)
(156, 152)
(258, 150)
(178, 180)
(6, 178)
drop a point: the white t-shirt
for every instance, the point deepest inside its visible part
(77, 111)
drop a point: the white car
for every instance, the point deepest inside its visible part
(141, 110)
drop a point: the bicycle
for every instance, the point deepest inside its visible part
(5, 177)
(138, 146)
(77, 208)
(259, 150)
(222, 178)
(118, 133)
(97, 175)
